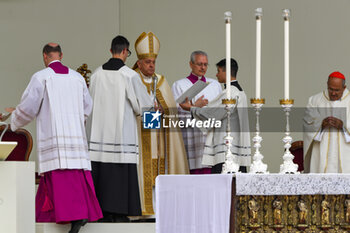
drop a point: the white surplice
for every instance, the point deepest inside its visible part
(214, 151)
(113, 130)
(59, 102)
(327, 150)
(194, 139)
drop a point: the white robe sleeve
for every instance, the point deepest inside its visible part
(312, 124)
(144, 100)
(87, 102)
(30, 104)
(131, 96)
(214, 109)
(177, 92)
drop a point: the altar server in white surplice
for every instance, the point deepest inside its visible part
(214, 151)
(326, 129)
(194, 138)
(59, 100)
(119, 97)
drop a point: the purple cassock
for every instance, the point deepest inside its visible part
(68, 194)
(193, 78)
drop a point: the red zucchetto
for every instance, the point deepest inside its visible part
(336, 74)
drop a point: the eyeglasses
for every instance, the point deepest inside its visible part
(201, 64)
(129, 53)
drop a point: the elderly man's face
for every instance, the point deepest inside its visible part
(147, 66)
(335, 88)
(200, 65)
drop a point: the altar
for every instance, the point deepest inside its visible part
(253, 203)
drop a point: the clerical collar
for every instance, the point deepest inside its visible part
(113, 64)
(232, 83)
(235, 84)
(193, 78)
(58, 68)
(146, 78)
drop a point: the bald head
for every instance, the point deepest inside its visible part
(51, 52)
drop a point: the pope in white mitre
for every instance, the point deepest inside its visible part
(162, 150)
(326, 129)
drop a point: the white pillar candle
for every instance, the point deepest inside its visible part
(286, 15)
(228, 17)
(258, 15)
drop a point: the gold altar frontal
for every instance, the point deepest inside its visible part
(299, 213)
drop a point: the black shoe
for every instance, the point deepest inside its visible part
(76, 225)
(147, 220)
(121, 218)
(107, 217)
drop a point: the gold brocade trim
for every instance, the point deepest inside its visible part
(345, 96)
(329, 140)
(149, 165)
(147, 170)
(147, 213)
(150, 43)
(341, 169)
(146, 55)
(165, 108)
(154, 170)
(161, 99)
(143, 35)
(149, 86)
(162, 166)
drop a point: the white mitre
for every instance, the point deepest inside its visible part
(147, 46)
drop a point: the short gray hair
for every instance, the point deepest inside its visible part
(343, 81)
(195, 53)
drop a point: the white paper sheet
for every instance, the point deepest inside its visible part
(192, 92)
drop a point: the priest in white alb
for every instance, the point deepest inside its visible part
(214, 151)
(326, 128)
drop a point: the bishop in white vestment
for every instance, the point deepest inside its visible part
(162, 150)
(214, 151)
(194, 138)
(326, 129)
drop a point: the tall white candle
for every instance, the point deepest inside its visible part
(228, 17)
(258, 15)
(286, 15)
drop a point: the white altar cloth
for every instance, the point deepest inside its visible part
(193, 203)
(292, 184)
(201, 203)
(17, 197)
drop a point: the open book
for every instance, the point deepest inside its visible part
(193, 91)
